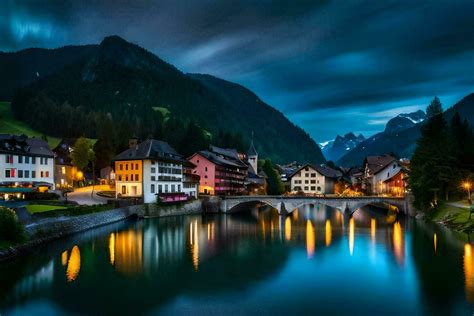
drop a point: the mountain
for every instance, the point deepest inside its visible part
(119, 87)
(402, 143)
(404, 121)
(335, 149)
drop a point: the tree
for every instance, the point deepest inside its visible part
(434, 108)
(275, 186)
(82, 153)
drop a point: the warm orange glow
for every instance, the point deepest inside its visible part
(210, 231)
(466, 185)
(328, 232)
(373, 227)
(64, 258)
(310, 239)
(79, 175)
(194, 243)
(128, 254)
(74, 264)
(263, 228)
(112, 248)
(469, 273)
(351, 235)
(398, 243)
(435, 242)
(288, 228)
(296, 215)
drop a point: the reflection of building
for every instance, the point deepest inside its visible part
(384, 175)
(126, 251)
(221, 171)
(64, 172)
(312, 179)
(150, 169)
(26, 164)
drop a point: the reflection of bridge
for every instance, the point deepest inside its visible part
(286, 204)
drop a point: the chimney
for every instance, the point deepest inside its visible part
(133, 143)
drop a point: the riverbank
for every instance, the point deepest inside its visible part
(47, 229)
(453, 215)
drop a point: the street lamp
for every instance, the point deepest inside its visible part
(467, 186)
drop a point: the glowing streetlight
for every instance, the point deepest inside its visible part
(467, 186)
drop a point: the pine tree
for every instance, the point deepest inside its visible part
(275, 186)
(434, 108)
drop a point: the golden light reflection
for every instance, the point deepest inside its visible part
(288, 228)
(64, 258)
(210, 231)
(194, 243)
(373, 227)
(435, 242)
(296, 215)
(310, 239)
(398, 243)
(351, 235)
(128, 253)
(328, 232)
(74, 264)
(469, 272)
(112, 248)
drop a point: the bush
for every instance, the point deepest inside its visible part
(11, 230)
(34, 196)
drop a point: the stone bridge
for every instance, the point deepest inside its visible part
(286, 204)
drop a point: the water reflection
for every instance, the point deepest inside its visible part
(373, 227)
(194, 243)
(328, 233)
(351, 235)
(435, 242)
(288, 228)
(74, 264)
(398, 243)
(310, 239)
(112, 248)
(469, 272)
(64, 258)
(126, 250)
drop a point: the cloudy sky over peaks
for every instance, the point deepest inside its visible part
(330, 66)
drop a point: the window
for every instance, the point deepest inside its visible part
(205, 169)
(166, 188)
(153, 178)
(152, 162)
(124, 189)
(172, 188)
(179, 187)
(41, 160)
(47, 174)
(388, 174)
(313, 175)
(126, 166)
(205, 177)
(306, 181)
(394, 166)
(27, 159)
(317, 181)
(152, 188)
(9, 158)
(313, 188)
(41, 174)
(131, 166)
(120, 177)
(319, 189)
(306, 175)
(126, 177)
(160, 188)
(63, 170)
(46, 161)
(20, 159)
(136, 166)
(33, 160)
(313, 181)
(153, 170)
(121, 166)
(306, 188)
(306, 169)
(27, 173)
(7, 173)
(33, 174)
(136, 177)
(20, 173)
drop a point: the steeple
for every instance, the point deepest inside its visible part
(252, 156)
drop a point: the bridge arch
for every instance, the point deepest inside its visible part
(243, 205)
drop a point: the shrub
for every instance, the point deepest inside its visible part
(11, 230)
(32, 196)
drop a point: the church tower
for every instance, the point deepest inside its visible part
(252, 157)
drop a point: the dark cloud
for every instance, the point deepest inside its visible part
(331, 66)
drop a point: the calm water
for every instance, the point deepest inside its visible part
(315, 260)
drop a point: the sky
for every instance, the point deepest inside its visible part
(331, 67)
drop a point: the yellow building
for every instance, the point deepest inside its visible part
(128, 175)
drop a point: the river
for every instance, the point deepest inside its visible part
(256, 262)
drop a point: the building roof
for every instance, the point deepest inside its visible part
(227, 152)
(221, 160)
(23, 145)
(322, 169)
(63, 151)
(375, 164)
(152, 149)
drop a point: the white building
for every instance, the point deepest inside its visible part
(151, 169)
(383, 175)
(312, 179)
(25, 163)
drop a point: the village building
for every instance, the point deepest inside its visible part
(384, 175)
(64, 172)
(26, 165)
(150, 170)
(221, 171)
(255, 182)
(314, 179)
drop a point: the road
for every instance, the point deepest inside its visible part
(83, 195)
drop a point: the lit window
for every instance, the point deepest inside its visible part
(63, 170)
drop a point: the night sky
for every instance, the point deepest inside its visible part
(330, 66)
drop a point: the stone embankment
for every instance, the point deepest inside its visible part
(48, 229)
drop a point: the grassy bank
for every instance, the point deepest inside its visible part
(53, 211)
(452, 216)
